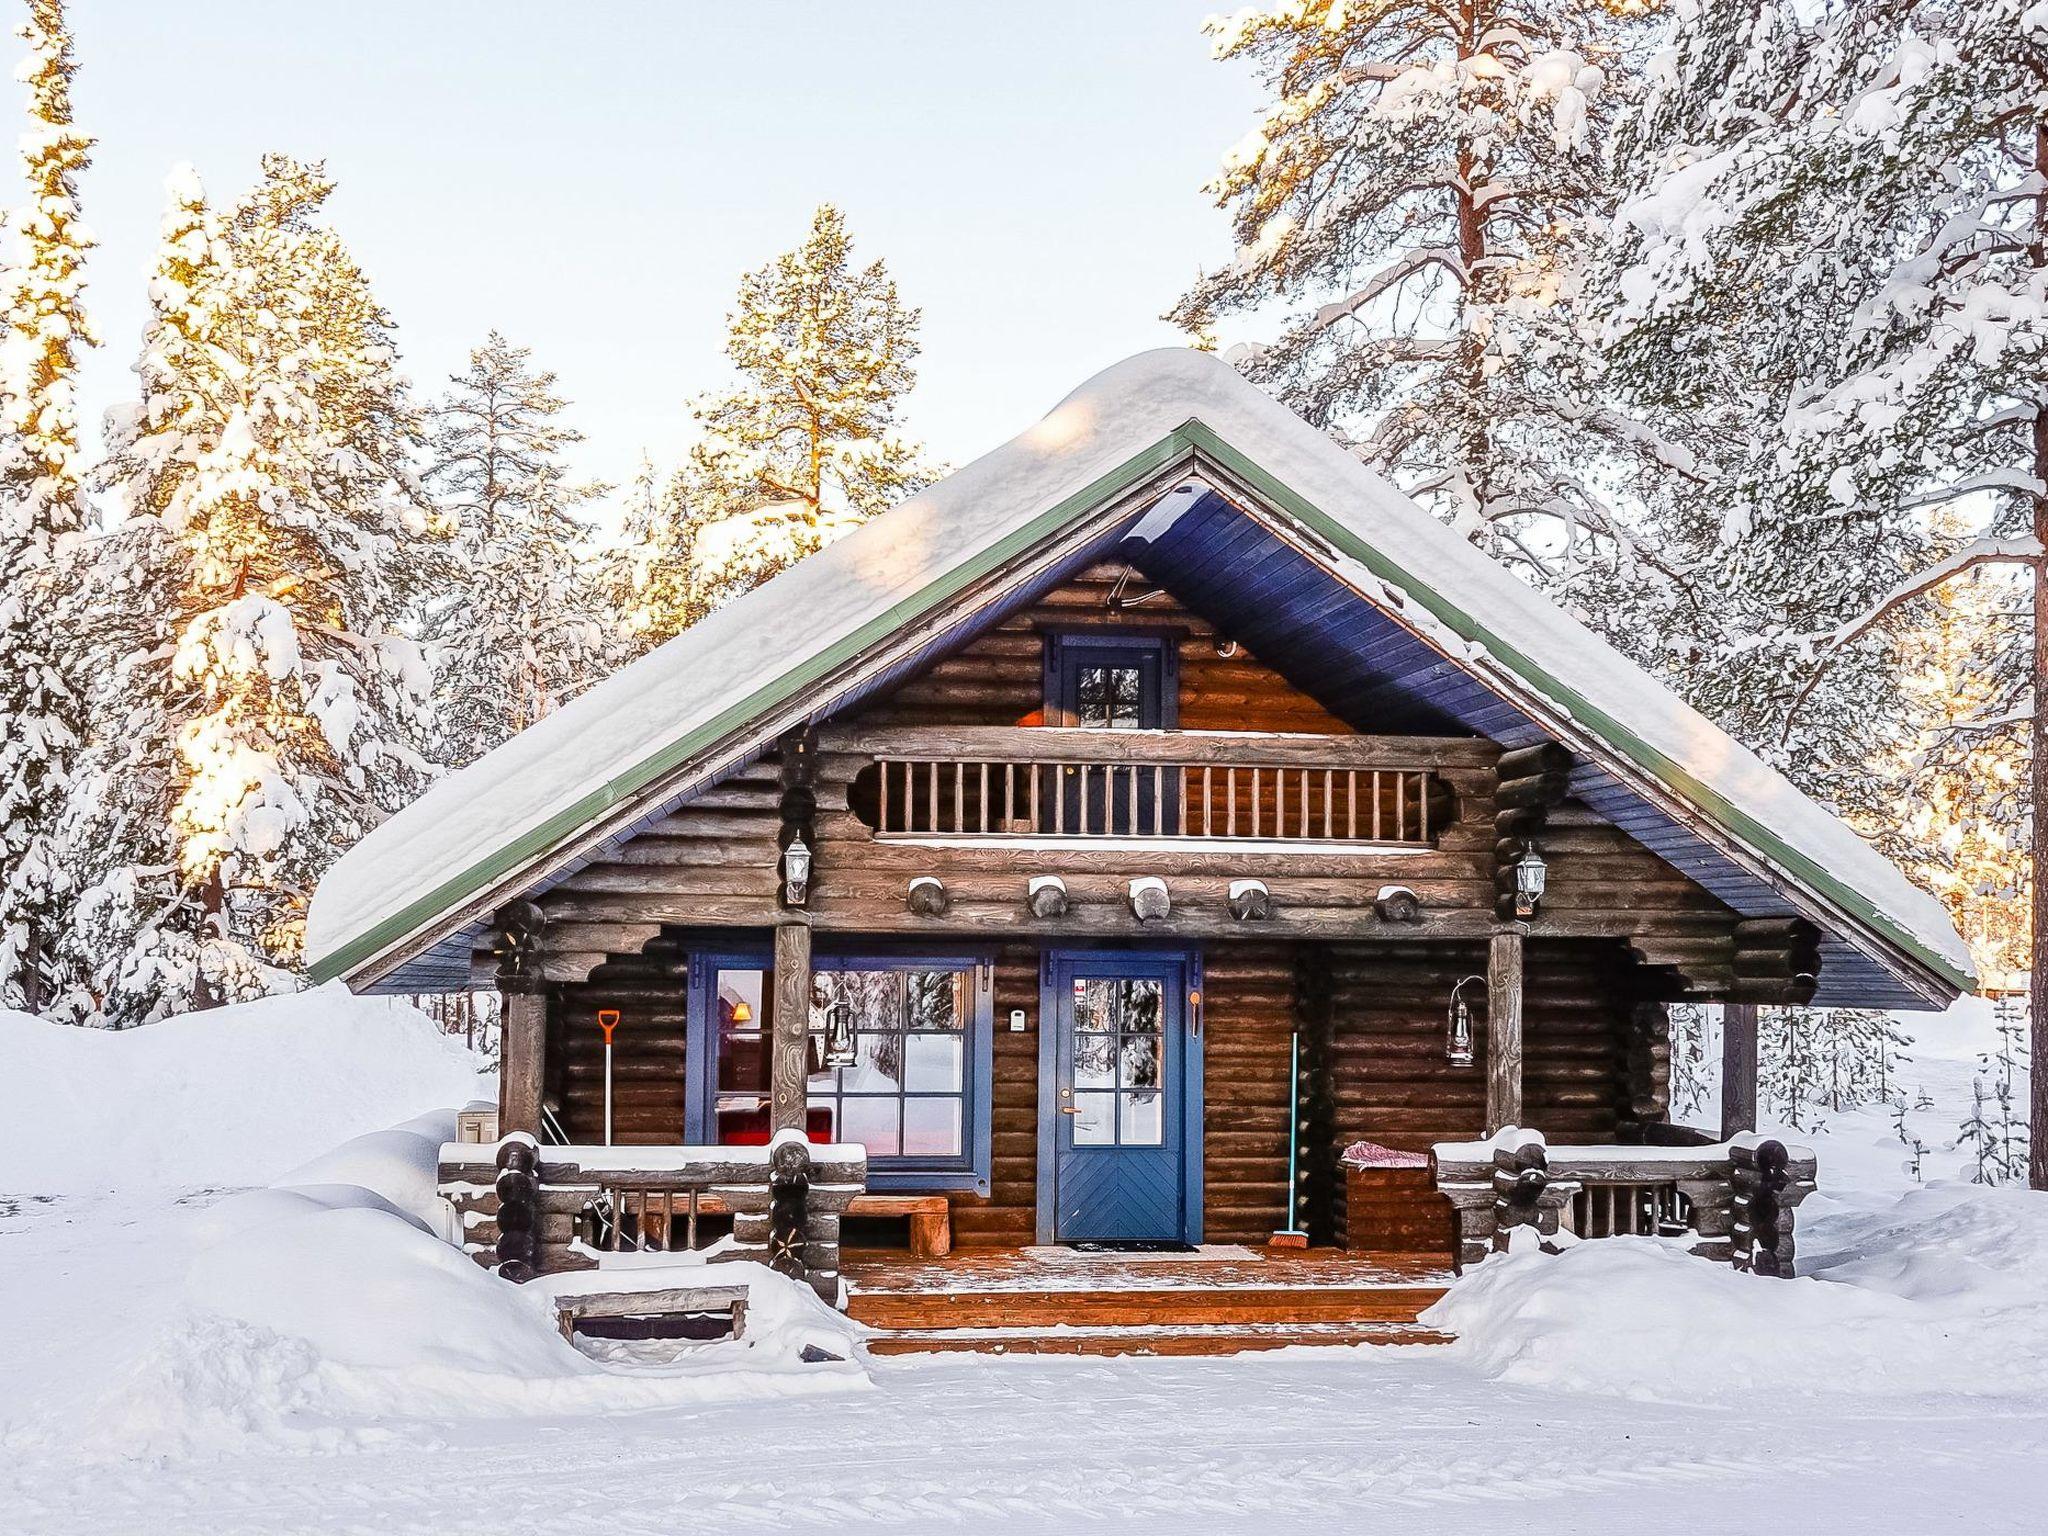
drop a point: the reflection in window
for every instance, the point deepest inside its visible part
(1108, 698)
(903, 1094)
(1119, 1054)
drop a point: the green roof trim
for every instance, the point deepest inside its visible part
(479, 876)
(1193, 436)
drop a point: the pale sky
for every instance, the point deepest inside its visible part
(593, 178)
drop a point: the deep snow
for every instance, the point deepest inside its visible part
(312, 1356)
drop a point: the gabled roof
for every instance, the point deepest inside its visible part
(1118, 446)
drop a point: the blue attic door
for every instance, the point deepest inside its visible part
(1110, 682)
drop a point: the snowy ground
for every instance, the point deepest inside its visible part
(177, 1357)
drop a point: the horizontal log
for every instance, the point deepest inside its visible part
(1245, 749)
(1544, 759)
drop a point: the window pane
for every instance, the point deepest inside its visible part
(1140, 1061)
(877, 1065)
(824, 1119)
(1095, 1061)
(872, 1123)
(1125, 689)
(1141, 1004)
(1094, 1119)
(1144, 1125)
(931, 1063)
(931, 1127)
(742, 1031)
(934, 1000)
(1092, 1004)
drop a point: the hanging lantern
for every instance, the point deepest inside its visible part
(1458, 1034)
(839, 1034)
(796, 872)
(1529, 876)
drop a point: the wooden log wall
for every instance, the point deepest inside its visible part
(999, 679)
(650, 991)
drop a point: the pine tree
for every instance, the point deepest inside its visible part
(42, 510)
(806, 446)
(1836, 208)
(274, 516)
(1420, 195)
(522, 630)
(650, 586)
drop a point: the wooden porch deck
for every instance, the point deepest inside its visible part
(1217, 1301)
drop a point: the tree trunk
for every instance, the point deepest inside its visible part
(2037, 987)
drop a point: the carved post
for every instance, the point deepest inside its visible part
(1738, 1068)
(1504, 1028)
(522, 992)
(518, 1191)
(789, 1189)
(788, 1071)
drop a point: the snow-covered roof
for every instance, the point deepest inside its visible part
(496, 825)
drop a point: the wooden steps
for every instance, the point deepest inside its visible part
(1175, 1307)
(1029, 1301)
(1147, 1340)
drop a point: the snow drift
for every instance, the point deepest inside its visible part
(1942, 1291)
(228, 1098)
(333, 1314)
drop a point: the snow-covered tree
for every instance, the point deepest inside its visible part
(521, 630)
(650, 587)
(1837, 208)
(42, 509)
(270, 504)
(807, 444)
(1418, 199)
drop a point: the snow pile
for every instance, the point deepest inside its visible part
(1942, 1291)
(334, 1314)
(231, 1097)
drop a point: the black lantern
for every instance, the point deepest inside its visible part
(839, 1034)
(1458, 1034)
(1529, 876)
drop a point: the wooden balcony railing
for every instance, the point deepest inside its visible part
(1220, 786)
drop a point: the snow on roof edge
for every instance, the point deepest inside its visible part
(1133, 416)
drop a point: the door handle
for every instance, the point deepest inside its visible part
(1068, 1109)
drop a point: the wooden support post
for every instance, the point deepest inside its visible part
(789, 1072)
(1504, 1028)
(1738, 1068)
(523, 1038)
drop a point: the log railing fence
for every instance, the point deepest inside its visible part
(1734, 1199)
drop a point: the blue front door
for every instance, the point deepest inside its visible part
(1125, 1100)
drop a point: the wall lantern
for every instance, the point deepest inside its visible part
(1458, 1034)
(839, 1034)
(796, 872)
(1529, 875)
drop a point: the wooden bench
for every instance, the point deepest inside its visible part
(674, 1301)
(931, 1218)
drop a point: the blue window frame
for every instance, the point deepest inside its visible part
(920, 1032)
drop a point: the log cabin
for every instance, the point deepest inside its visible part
(1085, 853)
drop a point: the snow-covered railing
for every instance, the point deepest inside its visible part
(1734, 1199)
(1212, 786)
(526, 1209)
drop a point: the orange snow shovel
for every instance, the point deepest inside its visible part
(607, 1020)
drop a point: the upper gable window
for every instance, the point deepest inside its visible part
(1111, 682)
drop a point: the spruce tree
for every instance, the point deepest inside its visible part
(1418, 199)
(271, 453)
(42, 510)
(1836, 210)
(520, 632)
(807, 444)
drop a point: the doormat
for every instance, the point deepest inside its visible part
(1134, 1245)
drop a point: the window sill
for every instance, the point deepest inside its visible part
(882, 1179)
